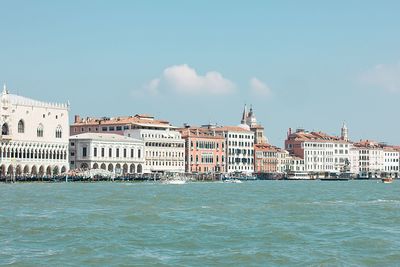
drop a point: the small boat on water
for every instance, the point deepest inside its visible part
(387, 180)
(298, 176)
(233, 181)
(175, 181)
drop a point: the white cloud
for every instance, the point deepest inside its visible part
(184, 79)
(383, 76)
(259, 88)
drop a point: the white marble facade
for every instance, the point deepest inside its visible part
(34, 136)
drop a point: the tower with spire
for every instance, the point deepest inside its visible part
(344, 132)
(249, 120)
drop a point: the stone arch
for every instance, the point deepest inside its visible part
(118, 168)
(139, 168)
(95, 166)
(18, 170)
(125, 168)
(34, 170)
(56, 170)
(5, 129)
(21, 126)
(48, 171)
(132, 168)
(103, 166)
(110, 168)
(26, 169)
(41, 170)
(63, 169)
(10, 170)
(84, 166)
(3, 170)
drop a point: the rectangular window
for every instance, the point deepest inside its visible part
(119, 128)
(131, 153)
(104, 129)
(84, 152)
(111, 128)
(117, 153)
(110, 153)
(102, 152)
(124, 152)
(95, 152)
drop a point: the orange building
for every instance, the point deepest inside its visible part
(204, 150)
(265, 158)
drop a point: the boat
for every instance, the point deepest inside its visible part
(233, 181)
(175, 181)
(387, 180)
(298, 176)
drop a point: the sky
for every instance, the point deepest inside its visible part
(308, 64)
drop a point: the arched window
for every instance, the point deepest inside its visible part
(4, 129)
(40, 130)
(21, 126)
(58, 132)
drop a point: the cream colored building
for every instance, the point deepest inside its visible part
(34, 137)
(115, 153)
(164, 149)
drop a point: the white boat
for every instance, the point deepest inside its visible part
(174, 181)
(298, 176)
(233, 181)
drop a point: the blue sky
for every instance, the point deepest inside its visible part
(311, 64)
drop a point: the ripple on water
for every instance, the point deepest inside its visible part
(200, 224)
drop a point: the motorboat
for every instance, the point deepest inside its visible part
(233, 181)
(298, 176)
(387, 180)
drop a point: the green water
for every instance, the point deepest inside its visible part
(265, 223)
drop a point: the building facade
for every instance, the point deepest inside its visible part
(117, 154)
(239, 143)
(265, 158)
(164, 147)
(321, 152)
(391, 158)
(204, 150)
(34, 137)
(370, 158)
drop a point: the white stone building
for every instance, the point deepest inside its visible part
(164, 149)
(391, 161)
(115, 153)
(239, 148)
(370, 158)
(34, 137)
(321, 152)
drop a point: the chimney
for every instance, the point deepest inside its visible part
(77, 118)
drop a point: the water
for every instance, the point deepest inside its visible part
(265, 223)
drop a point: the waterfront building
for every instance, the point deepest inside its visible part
(321, 152)
(164, 147)
(249, 119)
(239, 143)
(370, 158)
(204, 149)
(284, 160)
(296, 164)
(391, 161)
(265, 158)
(34, 136)
(115, 153)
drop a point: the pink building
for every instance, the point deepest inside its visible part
(204, 150)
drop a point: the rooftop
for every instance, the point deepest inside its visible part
(103, 137)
